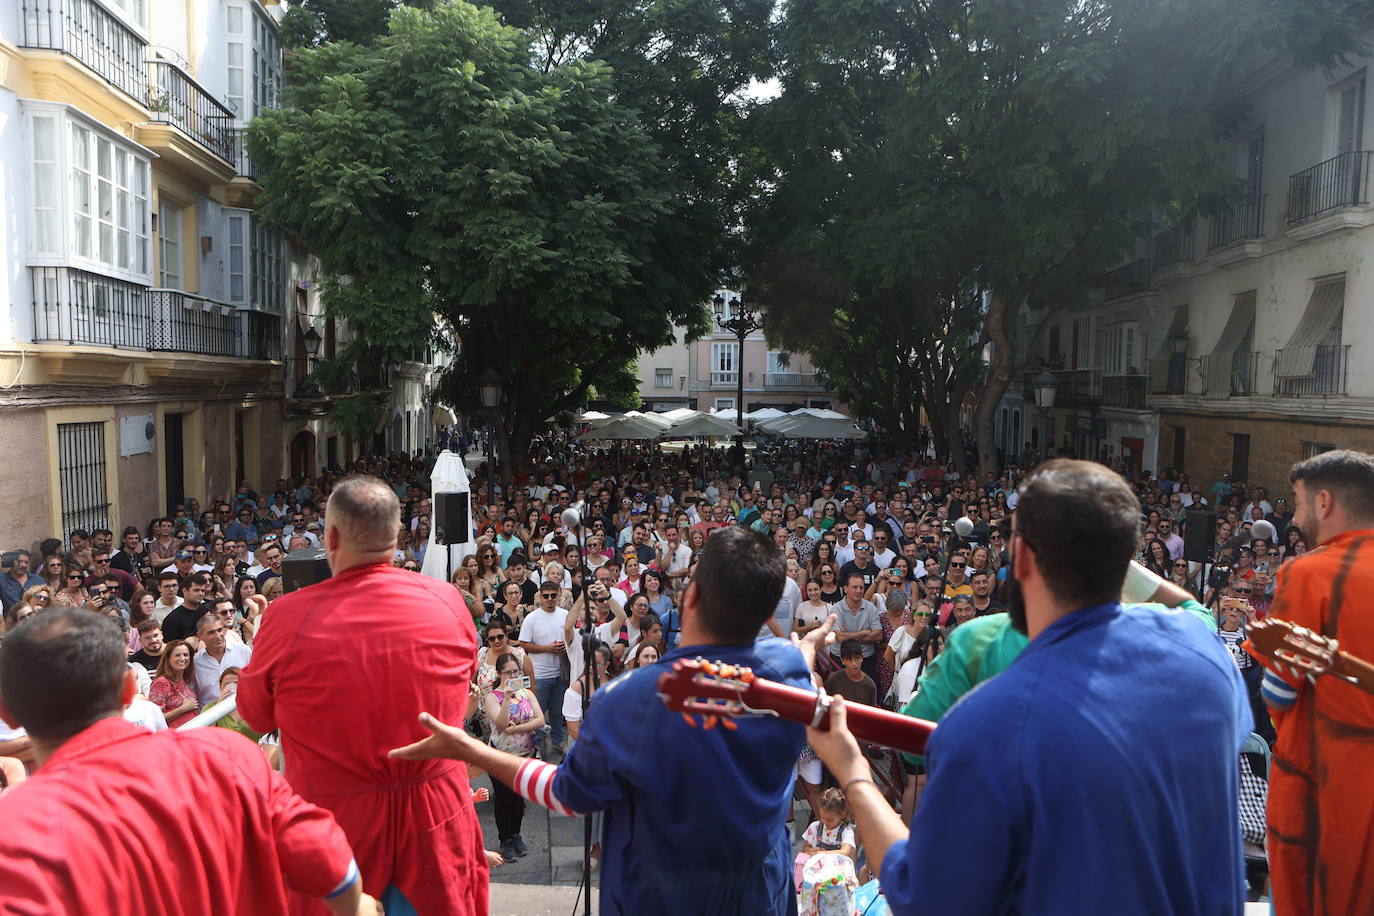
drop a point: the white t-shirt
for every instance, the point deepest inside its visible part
(809, 614)
(145, 712)
(544, 628)
(900, 643)
(904, 684)
(787, 607)
(884, 558)
(818, 835)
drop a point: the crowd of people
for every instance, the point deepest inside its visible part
(901, 551)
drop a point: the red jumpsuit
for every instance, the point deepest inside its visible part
(121, 820)
(343, 669)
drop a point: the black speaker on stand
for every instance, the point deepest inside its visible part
(1200, 540)
(451, 525)
(301, 568)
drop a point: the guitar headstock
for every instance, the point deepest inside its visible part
(713, 691)
(1302, 652)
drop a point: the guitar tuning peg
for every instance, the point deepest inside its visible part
(709, 722)
(691, 723)
(730, 724)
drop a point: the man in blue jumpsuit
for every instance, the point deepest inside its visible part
(1097, 773)
(695, 820)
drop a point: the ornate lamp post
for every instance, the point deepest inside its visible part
(744, 320)
(489, 386)
(1046, 384)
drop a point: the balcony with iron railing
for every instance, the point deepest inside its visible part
(721, 379)
(1243, 379)
(1342, 181)
(1244, 220)
(1124, 391)
(1172, 246)
(1077, 387)
(92, 35)
(77, 307)
(175, 98)
(1126, 280)
(791, 380)
(1174, 378)
(243, 163)
(1330, 372)
(72, 306)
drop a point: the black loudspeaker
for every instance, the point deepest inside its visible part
(304, 567)
(1200, 539)
(451, 523)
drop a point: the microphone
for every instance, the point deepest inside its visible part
(963, 526)
(570, 518)
(1263, 529)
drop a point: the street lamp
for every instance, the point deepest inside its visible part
(1045, 384)
(489, 385)
(312, 342)
(743, 321)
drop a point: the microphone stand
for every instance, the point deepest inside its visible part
(589, 686)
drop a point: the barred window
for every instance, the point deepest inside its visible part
(81, 474)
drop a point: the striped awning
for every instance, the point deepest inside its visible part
(1219, 362)
(1298, 358)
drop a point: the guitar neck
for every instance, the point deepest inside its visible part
(867, 723)
(1353, 671)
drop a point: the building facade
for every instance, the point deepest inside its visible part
(704, 374)
(1235, 344)
(153, 328)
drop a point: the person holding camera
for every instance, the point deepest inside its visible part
(516, 718)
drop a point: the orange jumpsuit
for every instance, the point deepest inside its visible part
(344, 668)
(1321, 792)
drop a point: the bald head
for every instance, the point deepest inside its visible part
(361, 521)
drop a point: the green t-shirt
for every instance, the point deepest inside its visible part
(976, 651)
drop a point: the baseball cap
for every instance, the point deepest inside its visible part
(184, 555)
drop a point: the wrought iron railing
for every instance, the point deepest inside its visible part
(1126, 280)
(1175, 377)
(1244, 373)
(1330, 369)
(1173, 246)
(186, 323)
(1338, 182)
(175, 98)
(724, 378)
(243, 163)
(259, 335)
(1124, 391)
(1244, 220)
(91, 34)
(789, 380)
(76, 307)
(1079, 384)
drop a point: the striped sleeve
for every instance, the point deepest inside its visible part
(534, 782)
(1277, 693)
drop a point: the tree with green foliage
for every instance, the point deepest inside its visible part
(441, 173)
(920, 155)
(307, 23)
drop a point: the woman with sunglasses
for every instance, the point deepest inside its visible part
(39, 597)
(73, 592)
(498, 642)
(52, 572)
(488, 573)
(906, 651)
(828, 574)
(1181, 573)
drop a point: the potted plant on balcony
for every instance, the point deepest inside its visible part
(158, 100)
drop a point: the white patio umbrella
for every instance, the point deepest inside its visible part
(726, 413)
(822, 412)
(450, 475)
(810, 427)
(656, 418)
(701, 426)
(678, 413)
(592, 416)
(764, 413)
(626, 427)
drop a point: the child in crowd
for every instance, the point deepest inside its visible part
(833, 833)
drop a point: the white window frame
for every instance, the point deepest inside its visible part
(1354, 84)
(236, 255)
(1122, 343)
(236, 92)
(169, 247)
(725, 404)
(267, 283)
(90, 180)
(663, 378)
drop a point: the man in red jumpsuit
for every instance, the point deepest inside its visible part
(118, 819)
(342, 668)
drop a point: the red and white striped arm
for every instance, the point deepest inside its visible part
(534, 782)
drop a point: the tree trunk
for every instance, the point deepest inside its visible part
(999, 378)
(954, 433)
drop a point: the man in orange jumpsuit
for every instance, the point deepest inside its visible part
(342, 668)
(1321, 794)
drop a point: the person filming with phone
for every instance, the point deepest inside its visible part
(516, 718)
